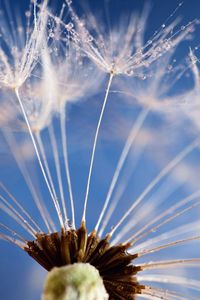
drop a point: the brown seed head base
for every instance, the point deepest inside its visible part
(72, 246)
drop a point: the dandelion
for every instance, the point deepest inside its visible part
(128, 252)
(59, 86)
(122, 52)
(19, 49)
(19, 57)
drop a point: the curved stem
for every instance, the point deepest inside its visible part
(167, 169)
(66, 161)
(131, 138)
(95, 143)
(39, 158)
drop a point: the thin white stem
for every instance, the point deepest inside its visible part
(134, 240)
(66, 161)
(168, 220)
(119, 192)
(95, 143)
(194, 262)
(35, 14)
(56, 204)
(12, 240)
(148, 297)
(148, 209)
(14, 233)
(22, 167)
(173, 163)
(14, 216)
(161, 194)
(141, 233)
(131, 138)
(58, 172)
(46, 165)
(178, 242)
(153, 294)
(30, 229)
(20, 206)
(165, 294)
(180, 230)
(191, 284)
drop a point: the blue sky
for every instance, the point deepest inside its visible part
(21, 277)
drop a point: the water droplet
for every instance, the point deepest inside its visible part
(20, 29)
(90, 38)
(28, 14)
(167, 46)
(51, 34)
(144, 77)
(81, 23)
(69, 26)
(129, 72)
(158, 49)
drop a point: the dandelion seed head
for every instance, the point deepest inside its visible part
(123, 50)
(153, 92)
(58, 81)
(20, 49)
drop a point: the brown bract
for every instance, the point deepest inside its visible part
(114, 263)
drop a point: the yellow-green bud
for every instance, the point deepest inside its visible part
(74, 282)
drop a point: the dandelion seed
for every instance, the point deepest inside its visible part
(18, 56)
(123, 50)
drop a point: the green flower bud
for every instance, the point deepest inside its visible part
(74, 282)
